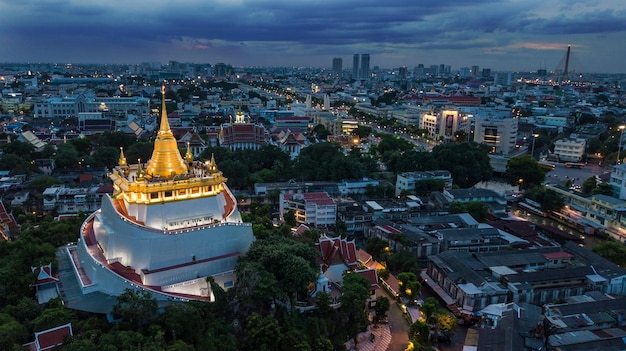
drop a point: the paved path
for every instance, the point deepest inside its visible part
(382, 338)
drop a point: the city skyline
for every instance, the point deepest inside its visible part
(509, 35)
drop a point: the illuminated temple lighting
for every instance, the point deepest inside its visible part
(165, 229)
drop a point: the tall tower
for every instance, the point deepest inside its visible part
(566, 70)
(355, 66)
(365, 67)
(337, 65)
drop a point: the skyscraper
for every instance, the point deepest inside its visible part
(365, 67)
(355, 66)
(337, 65)
(474, 71)
(361, 67)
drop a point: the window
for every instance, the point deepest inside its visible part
(154, 195)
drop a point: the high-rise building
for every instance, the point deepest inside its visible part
(355, 66)
(337, 65)
(169, 224)
(365, 67)
(402, 72)
(419, 70)
(499, 133)
(474, 71)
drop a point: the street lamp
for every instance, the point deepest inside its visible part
(532, 153)
(619, 148)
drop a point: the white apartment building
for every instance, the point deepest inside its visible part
(75, 104)
(499, 133)
(73, 200)
(570, 149)
(316, 209)
(406, 181)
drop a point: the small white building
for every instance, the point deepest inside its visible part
(406, 181)
(317, 209)
(570, 149)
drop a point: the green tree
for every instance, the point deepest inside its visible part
(403, 261)
(362, 131)
(589, 185)
(376, 247)
(290, 218)
(426, 186)
(468, 162)
(355, 292)
(478, 210)
(612, 251)
(524, 171)
(604, 189)
(67, 157)
(263, 333)
(429, 307)
(42, 182)
(12, 333)
(135, 309)
(419, 331)
(107, 156)
(236, 172)
(18, 148)
(549, 199)
(409, 286)
(139, 151)
(390, 142)
(381, 308)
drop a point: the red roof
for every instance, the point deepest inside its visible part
(371, 275)
(85, 178)
(330, 247)
(44, 275)
(48, 339)
(389, 229)
(319, 198)
(557, 255)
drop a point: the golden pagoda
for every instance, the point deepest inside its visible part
(166, 160)
(165, 229)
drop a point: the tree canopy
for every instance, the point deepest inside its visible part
(467, 162)
(524, 171)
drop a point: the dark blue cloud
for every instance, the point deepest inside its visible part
(242, 31)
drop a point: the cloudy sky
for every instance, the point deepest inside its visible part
(496, 34)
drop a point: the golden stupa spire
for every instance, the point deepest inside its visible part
(189, 155)
(122, 161)
(212, 165)
(166, 160)
(139, 174)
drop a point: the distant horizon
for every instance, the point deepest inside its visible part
(502, 35)
(349, 68)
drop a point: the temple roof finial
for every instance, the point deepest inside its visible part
(189, 155)
(122, 161)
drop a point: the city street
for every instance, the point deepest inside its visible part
(561, 174)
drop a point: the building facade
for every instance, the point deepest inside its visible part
(317, 209)
(500, 134)
(405, 182)
(570, 149)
